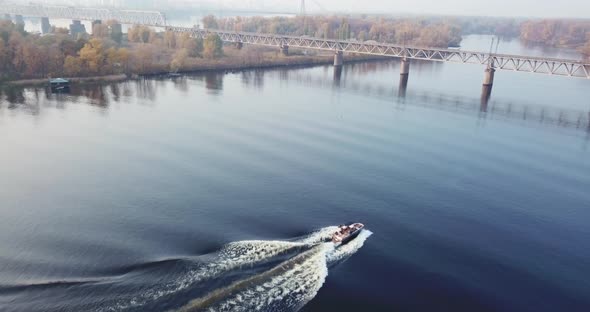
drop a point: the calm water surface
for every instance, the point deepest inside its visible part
(124, 196)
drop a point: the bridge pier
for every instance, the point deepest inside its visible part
(239, 45)
(404, 74)
(285, 50)
(76, 28)
(488, 77)
(405, 67)
(486, 90)
(338, 58)
(19, 20)
(45, 26)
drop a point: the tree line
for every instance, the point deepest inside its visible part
(558, 33)
(410, 31)
(25, 55)
(439, 31)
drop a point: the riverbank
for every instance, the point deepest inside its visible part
(229, 63)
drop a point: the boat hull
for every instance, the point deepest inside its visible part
(352, 236)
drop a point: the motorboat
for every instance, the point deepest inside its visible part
(346, 233)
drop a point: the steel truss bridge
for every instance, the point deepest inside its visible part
(541, 65)
(518, 63)
(151, 18)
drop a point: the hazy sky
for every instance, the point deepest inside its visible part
(524, 8)
(544, 8)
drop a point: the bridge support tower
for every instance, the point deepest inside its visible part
(488, 77)
(239, 45)
(403, 77)
(285, 49)
(405, 67)
(486, 89)
(77, 28)
(45, 26)
(19, 20)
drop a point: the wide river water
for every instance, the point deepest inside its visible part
(216, 191)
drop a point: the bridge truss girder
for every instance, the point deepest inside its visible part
(560, 67)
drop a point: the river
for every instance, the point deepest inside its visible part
(217, 191)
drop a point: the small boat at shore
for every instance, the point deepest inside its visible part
(346, 233)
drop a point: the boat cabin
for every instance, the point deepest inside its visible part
(59, 85)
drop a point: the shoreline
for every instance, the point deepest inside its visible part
(293, 62)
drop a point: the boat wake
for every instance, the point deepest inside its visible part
(241, 276)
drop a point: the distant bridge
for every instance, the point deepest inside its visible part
(151, 18)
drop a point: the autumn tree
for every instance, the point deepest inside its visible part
(72, 66)
(586, 49)
(210, 21)
(4, 59)
(179, 60)
(212, 46)
(193, 48)
(170, 39)
(142, 59)
(100, 31)
(344, 30)
(139, 33)
(93, 55)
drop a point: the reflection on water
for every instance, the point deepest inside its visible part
(214, 81)
(403, 86)
(33, 100)
(253, 78)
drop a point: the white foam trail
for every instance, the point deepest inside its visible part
(286, 287)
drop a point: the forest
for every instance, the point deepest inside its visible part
(415, 31)
(441, 32)
(558, 33)
(25, 55)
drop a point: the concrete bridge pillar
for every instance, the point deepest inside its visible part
(488, 77)
(338, 58)
(239, 45)
(403, 77)
(486, 90)
(405, 67)
(45, 26)
(77, 28)
(19, 20)
(285, 50)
